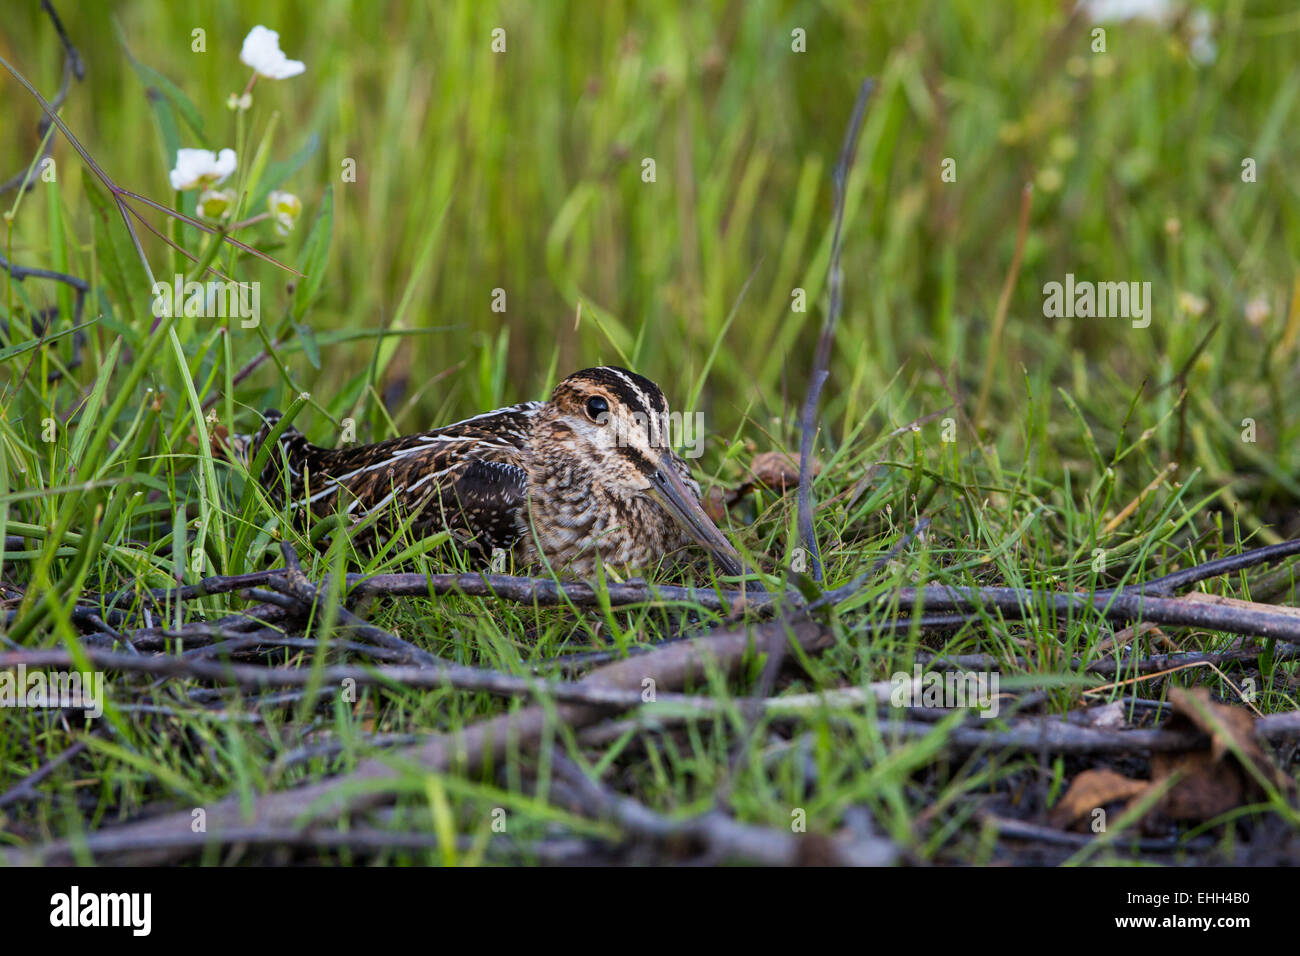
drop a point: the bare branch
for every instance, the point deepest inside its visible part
(826, 339)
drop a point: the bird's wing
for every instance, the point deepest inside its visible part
(466, 477)
(481, 503)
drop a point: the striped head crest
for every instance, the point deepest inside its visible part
(618, 423)
(614, 408)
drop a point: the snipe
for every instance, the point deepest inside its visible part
(585, 477)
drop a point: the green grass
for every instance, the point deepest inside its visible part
(523, 172)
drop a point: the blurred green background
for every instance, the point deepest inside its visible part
(522, 171)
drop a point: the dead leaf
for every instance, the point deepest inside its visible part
(1196, 785)
(1205, 788)
(1212, 781)
(1228, 727)
(1092, 789)
(715, 504)
(778, 470)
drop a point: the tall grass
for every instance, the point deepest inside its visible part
(521, 177)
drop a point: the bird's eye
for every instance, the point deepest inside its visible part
(597, 409)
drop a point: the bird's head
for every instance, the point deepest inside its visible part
(620, 422)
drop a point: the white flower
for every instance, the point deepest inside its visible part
(216, 204)
(285, 209)
(1193, 304)
(262, 52)
(1257, 310)
(201, 168)
(1102, 11)
(1196, 26)
(1201, 43)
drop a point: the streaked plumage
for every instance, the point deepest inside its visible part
(587, 476)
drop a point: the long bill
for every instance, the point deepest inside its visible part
(671, 492)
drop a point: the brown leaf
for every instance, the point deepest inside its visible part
(1228, 727)
(1212, 781)
(778, 470)
(1205, 788)
(220, 441)
(217, 434)
(1092, 789)
(715, 504)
